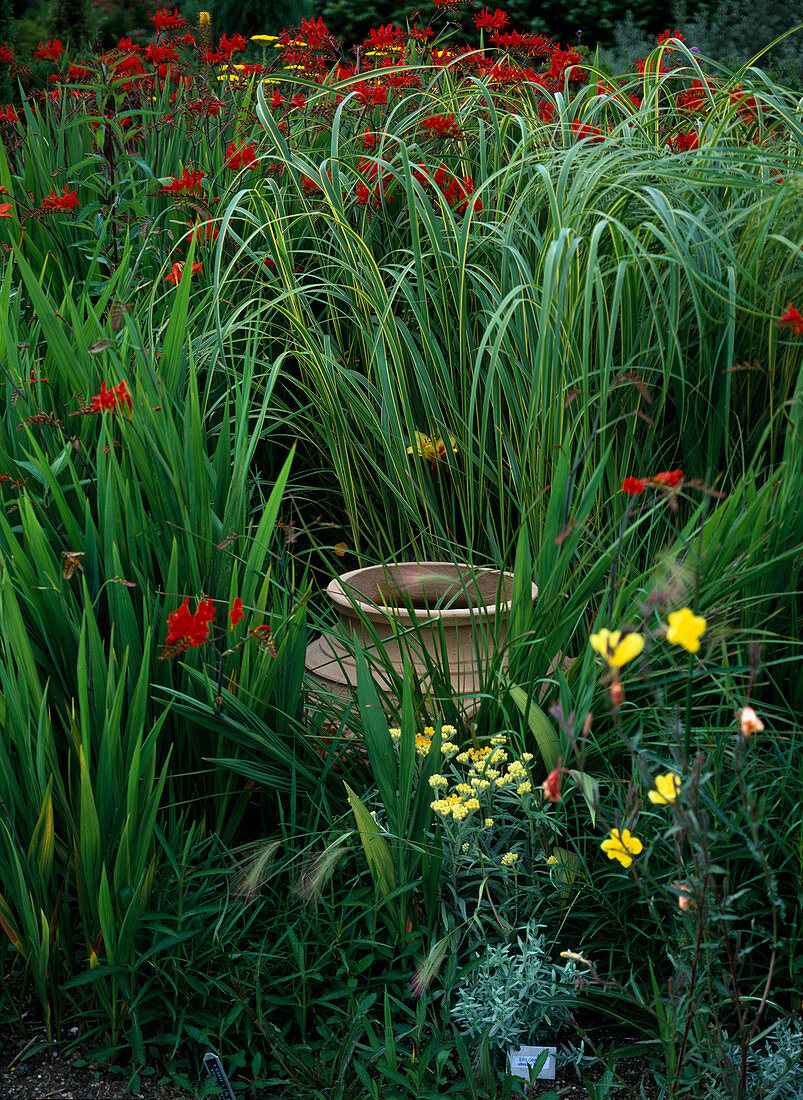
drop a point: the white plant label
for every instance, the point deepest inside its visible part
(522, 1059)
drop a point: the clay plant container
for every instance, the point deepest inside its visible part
(437, 615)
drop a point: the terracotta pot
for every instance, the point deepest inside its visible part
(454, 617)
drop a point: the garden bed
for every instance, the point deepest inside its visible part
(273, 310)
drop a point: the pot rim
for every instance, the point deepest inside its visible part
(349, 601)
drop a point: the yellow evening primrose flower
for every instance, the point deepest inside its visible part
(615, 649)
(666, 789)
(621, 846)
(685, 628)
(432, 448)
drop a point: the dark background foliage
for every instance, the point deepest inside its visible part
(724, 29)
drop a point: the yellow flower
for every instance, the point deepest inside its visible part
(264, 37)
(621, 846)
(666, 789)
(524, 788)
(432, 448)
(615, 649)
(509, 858)
(685, 628)
(438, 781)
(552, 861)
(489, 823)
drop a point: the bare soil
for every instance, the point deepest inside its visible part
(28, 1071)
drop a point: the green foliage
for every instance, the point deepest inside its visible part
(71, 21)
(514, 994)
(257, 16)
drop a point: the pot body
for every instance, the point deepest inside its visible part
(441, 617)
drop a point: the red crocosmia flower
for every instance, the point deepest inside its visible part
(6, 53)
(189, 183)
(584, 132)
(67, 201)
(51, 51)
(386, 38)
(5, 209)
(488, 22)
(204, 234)
(236, 44)
(236, 612)
(666, 35)
(8, 114)
(110, 400)
(564, 63)
(104, 401)
(310, 186)
(670, 478)
(299, 101)
(441, 126)
(634, 486)
(684, 143)
(368, 140)
(186, 629)
(370, 95)
(791, 319)
(695, 99)
(551, 785)
(164, 20)
(178, 270)
(240, 158)
(159, 55)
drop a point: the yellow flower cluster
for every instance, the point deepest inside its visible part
(423, 741)
(484, 772)
(457, 806)
(480, 758)
(509, 858)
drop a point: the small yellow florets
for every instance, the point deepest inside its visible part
(436, 781)
(509, 858)
(454, 805)
(524, 788)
